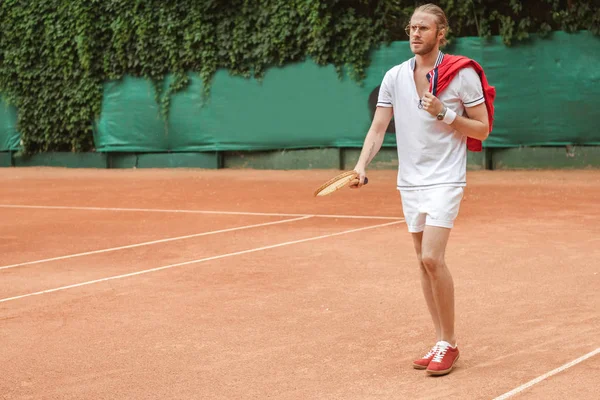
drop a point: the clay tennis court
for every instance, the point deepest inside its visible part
(236, 284)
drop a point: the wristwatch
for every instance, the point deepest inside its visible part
(442, 114)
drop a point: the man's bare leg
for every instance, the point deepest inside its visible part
(440, 283)
(426, 286)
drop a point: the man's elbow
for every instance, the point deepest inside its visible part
(484, 131)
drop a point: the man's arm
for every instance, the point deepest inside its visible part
(477, 124)
(373, 140)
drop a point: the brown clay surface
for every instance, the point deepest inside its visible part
(340, 317)
(574, 383)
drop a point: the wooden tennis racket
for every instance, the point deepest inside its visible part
(347, 178)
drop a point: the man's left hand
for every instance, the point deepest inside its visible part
(431, 104)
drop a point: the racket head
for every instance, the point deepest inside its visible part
(337, 182)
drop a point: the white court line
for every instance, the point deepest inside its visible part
(237, 253)
(195, 211)
(87, 253)
(547, 375)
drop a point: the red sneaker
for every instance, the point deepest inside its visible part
(443, 360)
(423, 362)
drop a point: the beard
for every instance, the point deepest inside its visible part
(425, 48)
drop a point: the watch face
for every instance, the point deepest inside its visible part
(441, 114)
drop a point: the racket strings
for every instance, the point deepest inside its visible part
(336, 183)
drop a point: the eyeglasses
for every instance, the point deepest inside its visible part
(414, 28)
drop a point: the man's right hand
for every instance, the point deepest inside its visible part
(357, 183)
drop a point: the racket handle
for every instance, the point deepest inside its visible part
(366, 181)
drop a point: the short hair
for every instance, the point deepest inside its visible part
(440, 18)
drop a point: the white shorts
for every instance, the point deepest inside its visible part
(435, 207)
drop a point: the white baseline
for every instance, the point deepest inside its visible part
(87, 253)
(195, 211)
(237, 253)
(547, 375)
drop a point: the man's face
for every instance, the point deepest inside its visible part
(423, 33)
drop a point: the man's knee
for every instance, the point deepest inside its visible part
(420, 261)
(431, 263)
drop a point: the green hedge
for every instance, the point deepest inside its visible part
(55, 55)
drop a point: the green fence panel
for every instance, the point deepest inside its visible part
(548, 90)
(9, 137)
(187, 130)
(299, 105)
(130, 120)
(547, 94)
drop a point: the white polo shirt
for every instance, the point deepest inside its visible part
(430, 152)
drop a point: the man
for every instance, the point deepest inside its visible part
(433, 133)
